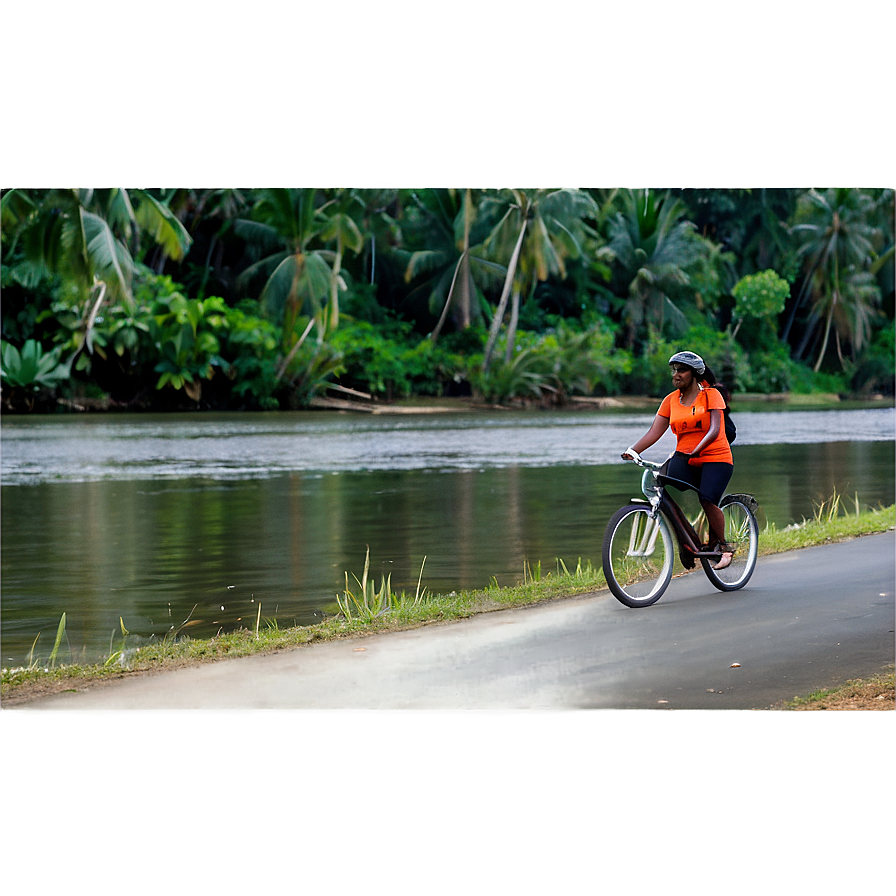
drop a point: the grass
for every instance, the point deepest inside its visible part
(876, 692)
(365, 610)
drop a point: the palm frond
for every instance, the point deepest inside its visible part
(163, 225)
(424, 261)
(118, 211)
(263, 267)
(261, 236)
(109, 259)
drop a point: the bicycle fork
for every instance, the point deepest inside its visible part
(642, 541)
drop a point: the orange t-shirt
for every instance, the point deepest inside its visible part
(691, 422)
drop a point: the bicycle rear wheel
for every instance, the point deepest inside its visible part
(638, 554)
(742, 534)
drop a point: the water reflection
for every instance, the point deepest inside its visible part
(159, 552)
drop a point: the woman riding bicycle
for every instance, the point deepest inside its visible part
(702, 457)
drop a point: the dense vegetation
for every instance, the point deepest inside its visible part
(268, 298)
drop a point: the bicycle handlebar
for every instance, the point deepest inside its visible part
(651, 465)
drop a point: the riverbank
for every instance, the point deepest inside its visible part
(349, 400)
(39, 679)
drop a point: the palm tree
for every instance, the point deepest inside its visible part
(340, 225)
(90, 238)
(283, 226)
(838, 249)
(649, 239)
(443, 220)
(543, 227)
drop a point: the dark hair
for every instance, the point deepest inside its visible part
(709, 378)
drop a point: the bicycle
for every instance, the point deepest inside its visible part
(638, 551)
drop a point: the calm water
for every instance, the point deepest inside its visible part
(159, 520)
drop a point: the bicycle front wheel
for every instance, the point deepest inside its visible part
(638, 554)
(742, 534)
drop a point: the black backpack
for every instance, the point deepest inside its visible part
(730, 428)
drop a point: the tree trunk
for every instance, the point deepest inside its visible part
(462, 318)
(827, 333)
(462, 271)
(502, 303)
(511, 327)
(834, 297)
(334, 286)
(438, 328)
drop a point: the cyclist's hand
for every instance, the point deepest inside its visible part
(630, 454)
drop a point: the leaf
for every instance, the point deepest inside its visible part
(164, 226)
(108, 258)
(59, 634)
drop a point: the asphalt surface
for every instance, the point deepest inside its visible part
(808, 619)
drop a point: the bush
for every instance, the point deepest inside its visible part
(389, 361)
(549, 367)
(806, 381)
(26, 373)
(250, 349)
(875, 372)
(770, 371)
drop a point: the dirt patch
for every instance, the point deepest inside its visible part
(875, 693)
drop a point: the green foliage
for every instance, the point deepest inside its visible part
(760, 295)
(60, 633)
(116, 655)
(388, 361)
(367, 603)
(185, 334)
(644, 270)
(874, 373)
(32, 368)
(805, 381)
(527, 375)
(770, 371)
(584, 362)
(250, 349)
(549, 367)
(315, 365)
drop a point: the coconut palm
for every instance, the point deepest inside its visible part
(649, 239)
(536, 230)
(837, 249)
(293, 273)
(89, 237)
(340, 225)
(443, 221)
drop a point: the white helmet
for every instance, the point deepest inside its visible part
(689, 358)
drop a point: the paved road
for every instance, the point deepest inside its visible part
(808, 619)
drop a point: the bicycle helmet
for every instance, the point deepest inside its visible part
(692, 360)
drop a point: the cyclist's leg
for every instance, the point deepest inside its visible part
(714, 478)
(680, 471)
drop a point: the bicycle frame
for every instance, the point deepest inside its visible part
(660, 501)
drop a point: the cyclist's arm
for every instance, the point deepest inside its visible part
(651, 437)
(715, 427)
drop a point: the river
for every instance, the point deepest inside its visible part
(200, 519)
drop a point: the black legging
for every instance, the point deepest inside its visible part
(710, 479)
